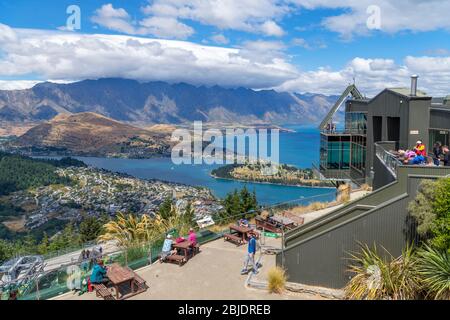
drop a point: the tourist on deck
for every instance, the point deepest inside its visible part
(421, 153)
(192, 237)
(446, 153)
(429, 162)
(98, 275)
(250, 258)
(167, 248)
(437, 153)
(243, 223)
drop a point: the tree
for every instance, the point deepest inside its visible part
(65, 239)
(90, 229)
(6, 250)
(127, 230)
(43, 247)
(431, 210)
(189, 215)
(165, 210)
(29, 244)
(236, 204)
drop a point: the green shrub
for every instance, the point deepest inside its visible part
(381, 276)
(433, 267)
(431, 210)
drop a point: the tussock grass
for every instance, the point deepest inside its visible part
(277, 278)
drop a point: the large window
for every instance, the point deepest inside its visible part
(441, 136)
(335, 152)
(358, 153)
(356, 122)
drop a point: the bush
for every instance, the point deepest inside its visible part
(381, 276)
(431, 210)
(434, 270)
(277, 279)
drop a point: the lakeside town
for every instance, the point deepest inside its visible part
(95, 192)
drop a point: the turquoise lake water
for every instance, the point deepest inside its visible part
(300, 148)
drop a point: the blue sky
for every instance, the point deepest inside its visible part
(297, 45)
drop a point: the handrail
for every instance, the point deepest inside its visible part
(388, 159)
(343, 131)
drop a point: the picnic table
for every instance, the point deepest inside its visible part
(184, 246)
(243, 231)
(124, 278)
(284, 221)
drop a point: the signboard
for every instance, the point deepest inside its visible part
(414, 132)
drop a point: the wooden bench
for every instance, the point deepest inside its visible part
(176, 258)
(140, 283)
(102, 291)
(196, 249)
(232, 238)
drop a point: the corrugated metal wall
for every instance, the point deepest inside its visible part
(317, 254)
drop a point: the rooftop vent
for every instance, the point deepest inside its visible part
(414, 84)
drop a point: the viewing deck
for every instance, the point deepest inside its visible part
(212, 274)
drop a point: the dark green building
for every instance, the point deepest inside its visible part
(396, 118)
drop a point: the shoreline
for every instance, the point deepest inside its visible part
(271, 183)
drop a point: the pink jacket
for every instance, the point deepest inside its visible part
(192, 238)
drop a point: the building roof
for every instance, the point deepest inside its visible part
(407, 92)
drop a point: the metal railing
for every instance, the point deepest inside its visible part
(343, 131)
(388, 159)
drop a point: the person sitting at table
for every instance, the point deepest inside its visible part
(180, 240)
(243, 223)
(192, 237)
(98, 275)
(167, 249)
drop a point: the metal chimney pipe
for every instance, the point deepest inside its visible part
(414, 84)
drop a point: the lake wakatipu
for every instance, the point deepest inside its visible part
(299, 148)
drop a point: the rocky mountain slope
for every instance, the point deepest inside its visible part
(160, 102)
(92, 134)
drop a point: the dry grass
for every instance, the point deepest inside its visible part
(365, 187)
(344, 191)
(276, 278)
(311, 207)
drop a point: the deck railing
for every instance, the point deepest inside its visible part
(387, 158)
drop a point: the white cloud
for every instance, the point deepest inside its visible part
(24, 84)
(373, 75)
(399, 15)
(246, 15)
(270, 28)
(119, 20)
(300, 42)
(17, 84)
(114, 19)
(166, 27)
(72, 56)
(220, 39)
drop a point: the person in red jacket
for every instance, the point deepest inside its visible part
(421, 153)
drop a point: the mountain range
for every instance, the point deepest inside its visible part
(160, 102)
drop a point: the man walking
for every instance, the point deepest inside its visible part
(250, 258)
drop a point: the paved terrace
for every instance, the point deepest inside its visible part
(212, 274)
